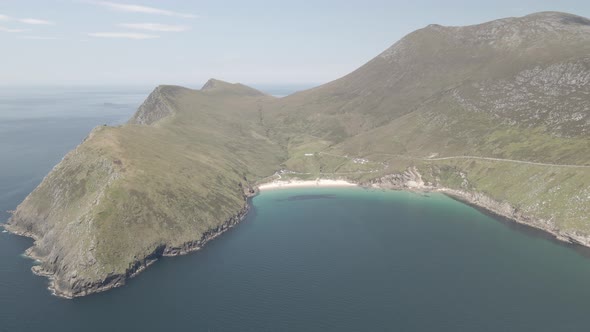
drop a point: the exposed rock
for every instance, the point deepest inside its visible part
(65, 283)
(156, 107)
(170, 179)
(411, 179)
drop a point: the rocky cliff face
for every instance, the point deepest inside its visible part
(412, 179)
(217, 86)
(131, 194)
(69, 283)
(513, 93)
(157, 106)
(57, 214)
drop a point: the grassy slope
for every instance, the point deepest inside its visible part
(173, 174)
(514, 89)
(558, 194)
(141, 187)
(208, 149)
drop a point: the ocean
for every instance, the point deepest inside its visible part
(321, 259)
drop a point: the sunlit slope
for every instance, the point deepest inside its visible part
(513, 89)
(525, 72)
(500, 111)
(129, 193)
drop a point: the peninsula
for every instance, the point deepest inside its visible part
(497, 114)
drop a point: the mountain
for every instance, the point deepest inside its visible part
(496, 114)
(176, 175)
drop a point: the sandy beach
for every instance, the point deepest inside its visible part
(278, 184)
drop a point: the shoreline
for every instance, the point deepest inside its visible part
(317, 183)
(414, 183)
(139, 266)
(411, 183)
(516, 217)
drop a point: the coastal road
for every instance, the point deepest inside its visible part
(469, 157)
(425, 159)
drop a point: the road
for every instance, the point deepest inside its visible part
(467, 157)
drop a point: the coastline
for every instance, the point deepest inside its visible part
(118, 280)
(511, 214)
(317, 183)
(410, 181)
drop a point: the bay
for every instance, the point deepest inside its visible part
(327, 259)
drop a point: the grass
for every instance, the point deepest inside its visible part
(129, 190)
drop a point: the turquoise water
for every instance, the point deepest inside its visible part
(331, 260)
(345, 259)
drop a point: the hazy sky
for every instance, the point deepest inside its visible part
(68, 42)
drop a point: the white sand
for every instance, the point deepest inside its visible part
(305, 184)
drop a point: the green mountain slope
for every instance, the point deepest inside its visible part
(497, 114)
(132, 193)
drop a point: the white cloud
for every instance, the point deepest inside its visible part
(33, 21)
(5, 29)
(154, 27)
(142, 9)
(39, 38)
(122, 35)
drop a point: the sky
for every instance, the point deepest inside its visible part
(148, 42)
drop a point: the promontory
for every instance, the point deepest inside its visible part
(497, 114)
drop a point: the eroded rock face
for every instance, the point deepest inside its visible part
(556, 96)
(178, 173)
(411, 179)
(67, 281)
(156, 107)
(56, 215)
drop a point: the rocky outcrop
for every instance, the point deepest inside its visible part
(411, 179)
(170, 176)
(218, 86)
(70, 285)
(156, 107)
(208, 236)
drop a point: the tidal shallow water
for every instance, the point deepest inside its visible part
(345, 259)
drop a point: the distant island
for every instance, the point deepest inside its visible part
(495, 114)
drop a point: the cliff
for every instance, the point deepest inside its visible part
(497, 114)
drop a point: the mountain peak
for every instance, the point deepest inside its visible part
(212, 83)
(218, 86)
(564, 18)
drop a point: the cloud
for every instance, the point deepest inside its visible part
(141, 9)
(39, 38)
(5, 29)
(154, 27)
(33, 21)
(122, 35)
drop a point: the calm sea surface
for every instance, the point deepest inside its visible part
(303, 259)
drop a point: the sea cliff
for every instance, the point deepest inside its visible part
(413, 180)
(75, 287)
(439, 110)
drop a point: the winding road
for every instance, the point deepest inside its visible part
(467, 157)
(491, 159)
(427, 159)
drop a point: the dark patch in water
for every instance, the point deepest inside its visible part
(575, 20)
(309, 197)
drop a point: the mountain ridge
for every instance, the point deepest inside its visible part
(183, 167)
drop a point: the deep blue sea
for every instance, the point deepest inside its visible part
(303, 259)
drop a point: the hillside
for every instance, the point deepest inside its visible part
(178, 173)
(497, 114)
